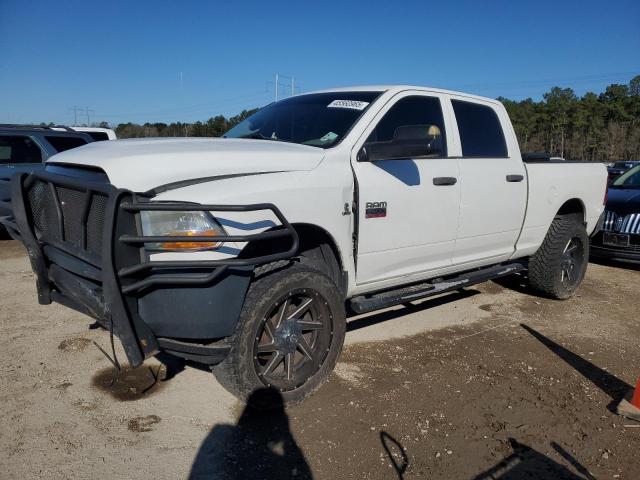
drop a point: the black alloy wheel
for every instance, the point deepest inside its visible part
(571, 262)
(294, 339)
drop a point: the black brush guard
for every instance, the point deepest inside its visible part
(92, 258)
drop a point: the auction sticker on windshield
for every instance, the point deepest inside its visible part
(352, 104)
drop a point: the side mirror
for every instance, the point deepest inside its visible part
(409, 141)
(363, 155)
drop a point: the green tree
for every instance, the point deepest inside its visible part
(595, 127)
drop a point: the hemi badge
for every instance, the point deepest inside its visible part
(375, 209)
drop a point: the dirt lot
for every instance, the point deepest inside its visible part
(490, 383)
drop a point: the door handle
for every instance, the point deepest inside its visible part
(441, 181)
(515, 178)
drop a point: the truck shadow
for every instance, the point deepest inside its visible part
(518, 283)
(526, 462)
(259, 446)
(615, 388)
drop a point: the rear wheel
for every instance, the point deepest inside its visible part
(558, 267)
(289, 335)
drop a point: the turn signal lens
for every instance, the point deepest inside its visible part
(191, 245)
(180, 224)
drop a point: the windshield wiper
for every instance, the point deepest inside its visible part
(258, 136)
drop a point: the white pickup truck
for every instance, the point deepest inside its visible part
(245, 252)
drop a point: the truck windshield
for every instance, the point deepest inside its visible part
(318, 119)
(629, 179)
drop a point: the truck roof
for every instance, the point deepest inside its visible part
(401, 88)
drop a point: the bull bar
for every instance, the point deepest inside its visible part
(104, 277)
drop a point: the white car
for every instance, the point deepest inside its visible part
(244, 252)
(97, 133)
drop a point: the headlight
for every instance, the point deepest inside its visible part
(181, 224)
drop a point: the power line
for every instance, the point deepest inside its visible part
(191, 108)
(277, 85)
(546, 81)
(86, 110)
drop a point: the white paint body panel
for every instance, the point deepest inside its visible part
(111, 135)
(417, 234)
(550, 186)
(491, 209)
(428, 232)
(143, 164)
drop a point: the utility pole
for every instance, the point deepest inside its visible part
(75, 109)
(285, 87)
(88, 110)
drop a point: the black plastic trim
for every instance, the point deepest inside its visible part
(444, 181)
(603, 252)
(515, 178)
(195, 181)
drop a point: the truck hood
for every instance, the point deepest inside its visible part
(145, 164)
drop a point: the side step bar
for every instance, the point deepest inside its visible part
(389, 298)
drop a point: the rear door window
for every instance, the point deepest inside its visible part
(60, 143)
(481, 134)
(19, 149)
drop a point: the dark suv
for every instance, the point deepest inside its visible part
(618, 168)
(620, 234)
(24, 148)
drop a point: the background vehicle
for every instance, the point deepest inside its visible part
(25, 148)
(618, 168)
(620, 235)
(97, 133)
(242, 252)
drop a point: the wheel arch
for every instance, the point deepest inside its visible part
(318, 245)
(315, 244)
(573, 206)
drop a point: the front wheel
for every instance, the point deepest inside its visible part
(558, 267)
(289, 336)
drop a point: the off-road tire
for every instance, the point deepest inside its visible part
(546, 265)
(237, 373)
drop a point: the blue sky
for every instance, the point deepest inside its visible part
(125, 59)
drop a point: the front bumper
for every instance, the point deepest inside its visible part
(598, 250)
(86, 248)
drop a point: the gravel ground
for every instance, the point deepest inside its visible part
(489, 383)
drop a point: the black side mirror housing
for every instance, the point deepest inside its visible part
(363, 155)
(409, 141)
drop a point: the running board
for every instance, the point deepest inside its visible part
(389, 298)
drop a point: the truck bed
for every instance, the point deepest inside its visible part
(550, 185)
